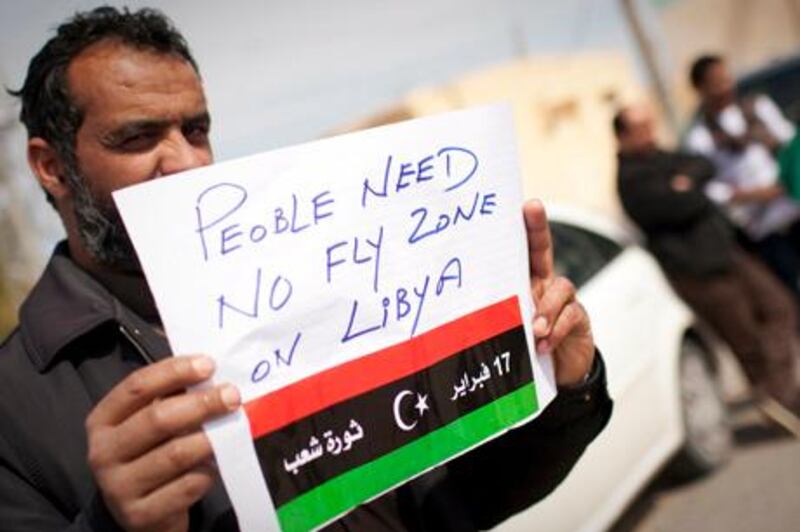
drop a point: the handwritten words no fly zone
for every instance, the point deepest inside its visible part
(228, 223)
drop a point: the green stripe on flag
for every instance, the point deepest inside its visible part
(362, 483)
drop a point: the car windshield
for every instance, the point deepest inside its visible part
(579, 253)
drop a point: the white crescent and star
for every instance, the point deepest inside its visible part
(421, 407)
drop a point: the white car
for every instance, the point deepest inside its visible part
(661, 375)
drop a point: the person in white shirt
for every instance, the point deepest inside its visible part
(741, 136)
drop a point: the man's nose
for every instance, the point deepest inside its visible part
(179, 155)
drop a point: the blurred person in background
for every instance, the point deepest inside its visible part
(742, 136)
(99, 429)
(663, 193)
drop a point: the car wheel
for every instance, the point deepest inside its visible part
(709, 438)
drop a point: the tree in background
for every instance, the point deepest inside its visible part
(16, 269)
(7, 314)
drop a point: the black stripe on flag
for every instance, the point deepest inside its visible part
(312, 450)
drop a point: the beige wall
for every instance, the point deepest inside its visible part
(563, 107)
(750, 33)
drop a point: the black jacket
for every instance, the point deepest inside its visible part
(686, 232)
(76, 341)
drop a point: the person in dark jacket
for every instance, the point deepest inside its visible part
(102, 429)
(663, 193)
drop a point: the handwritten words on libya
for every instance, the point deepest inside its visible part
(367, 294)
(356, 253)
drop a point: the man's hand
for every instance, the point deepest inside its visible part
(681, 183)
(147, 451)
(760, 133)
(561, 325)
(757, 194)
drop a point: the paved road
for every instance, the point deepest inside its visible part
(758, 491)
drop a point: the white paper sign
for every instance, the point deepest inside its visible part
(289, 267)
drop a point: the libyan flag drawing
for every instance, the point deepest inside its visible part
(343, 436)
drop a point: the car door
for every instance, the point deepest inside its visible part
(615, 283)
(630, 306)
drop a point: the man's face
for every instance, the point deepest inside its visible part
(144, 116)
(717, 89)
(639, 135)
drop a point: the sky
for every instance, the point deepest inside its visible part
(283, 72)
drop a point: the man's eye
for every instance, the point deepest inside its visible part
(196, 133)
(138, 141)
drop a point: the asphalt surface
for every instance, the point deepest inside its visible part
(758, 490)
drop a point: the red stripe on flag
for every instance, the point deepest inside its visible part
(312, 394)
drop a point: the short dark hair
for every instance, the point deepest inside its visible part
(700, 68)
(48, 111)
(619, 123)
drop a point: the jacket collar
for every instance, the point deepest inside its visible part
(65, 304)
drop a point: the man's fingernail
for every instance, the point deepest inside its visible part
(230, 396)
(540, 324)
(203, 365)
(543, 346)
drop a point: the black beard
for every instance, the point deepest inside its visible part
(101, 228)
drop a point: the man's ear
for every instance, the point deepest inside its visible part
(47, 167)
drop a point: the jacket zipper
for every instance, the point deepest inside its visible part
(135, 343)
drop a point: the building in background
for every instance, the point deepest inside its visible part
(750, 34)
(563, 106)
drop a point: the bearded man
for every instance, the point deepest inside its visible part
(99, 430)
